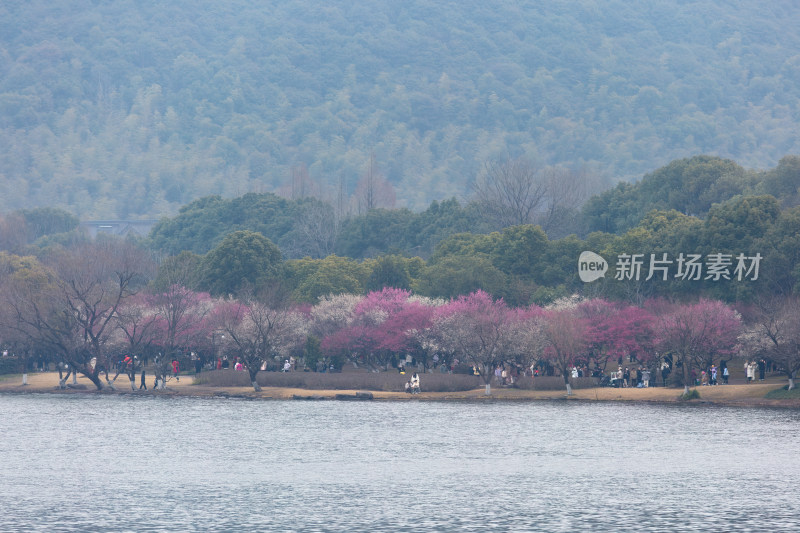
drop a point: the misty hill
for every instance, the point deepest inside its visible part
(126, 109)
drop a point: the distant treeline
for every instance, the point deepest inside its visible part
(740, 229)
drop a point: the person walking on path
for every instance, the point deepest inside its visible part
(142, 385)
(175, 370)
(725, 375)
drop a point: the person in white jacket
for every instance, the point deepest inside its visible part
(415, 383)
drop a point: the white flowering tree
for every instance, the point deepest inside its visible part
(775, 331)
(259, 330)
(333, 313)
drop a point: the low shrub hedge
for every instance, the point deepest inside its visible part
(10, 365)
(553, 383)
(377, 381)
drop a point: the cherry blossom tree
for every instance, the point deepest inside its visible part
(775, 330)
(181, 324)
(566, 340)
(333, 313)
(696, 333)
(478, 329)
(384, 324)
(136, 328)
(617, 331)
(259, 328)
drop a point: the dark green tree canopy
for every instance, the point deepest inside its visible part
(243, 258)
(311, 279)
(203, 224)
(783, 181)
(689, 186)
(736, 224)
(389, 271)
(452, 276)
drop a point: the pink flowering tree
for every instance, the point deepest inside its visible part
(697, 333)
(257, 331)
(181, 324)
(565, 334)
(477, 329)
(332, 314)
(616, 330)
(136, 329)
(383, 325)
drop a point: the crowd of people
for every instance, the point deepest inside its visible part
(640, 377)
(505, 374)
(761, 366)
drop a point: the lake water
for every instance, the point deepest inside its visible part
(126, 463)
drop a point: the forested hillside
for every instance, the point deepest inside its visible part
(701, 226)
(134, 109)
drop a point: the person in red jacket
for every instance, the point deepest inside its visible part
(175, 369)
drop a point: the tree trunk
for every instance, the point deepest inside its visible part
(253, 371)
(24, 378)
(686, 375)
(791, 382)
(565, 373)
(488, 389)
(94, 379)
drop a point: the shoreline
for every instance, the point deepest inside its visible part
(734, 395)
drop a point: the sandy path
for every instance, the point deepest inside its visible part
(752, 394)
